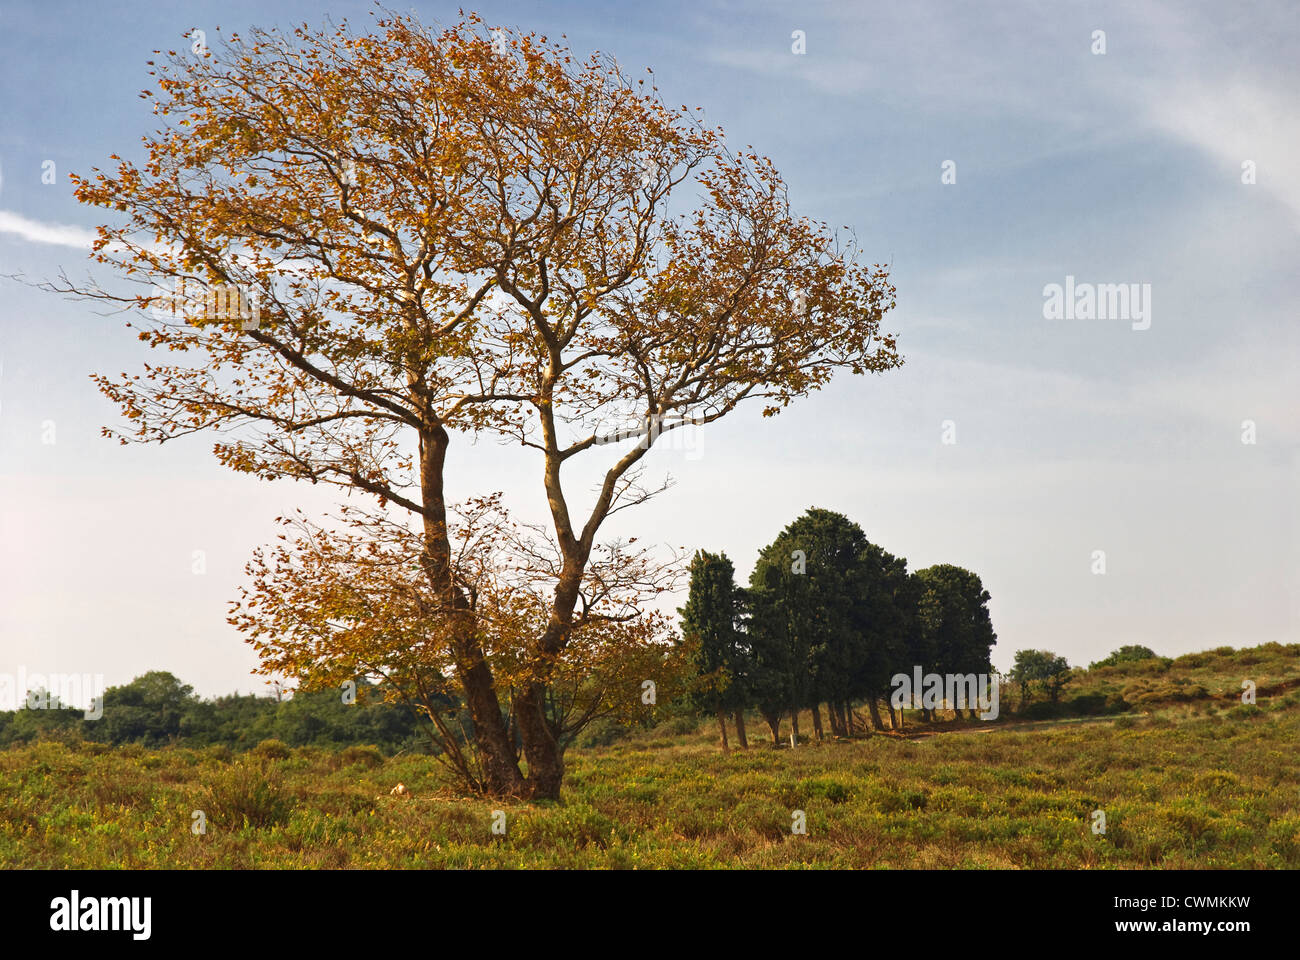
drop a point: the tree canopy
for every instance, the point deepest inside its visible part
(444, 233)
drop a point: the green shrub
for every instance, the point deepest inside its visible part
(683, 726)
(601, 734)
(247, 795)
(218, 754)
(1043, 710)
(368, 757)
(831, 789)
(1127, 654)
(1089, 704)
(272, 750)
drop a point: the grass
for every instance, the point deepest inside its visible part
(1199, 783)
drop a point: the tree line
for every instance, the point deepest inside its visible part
(156, 709)
(828, 618)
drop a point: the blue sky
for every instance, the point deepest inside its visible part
(1071, 435)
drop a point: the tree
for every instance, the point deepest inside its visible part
(148, 710)
(1042, 667)
(409, 236)
(711, 621)
(782, 625)
(887, 620)
(1125, 654)
(824, 617)
(956, 629)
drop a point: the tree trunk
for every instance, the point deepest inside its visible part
(835, 717)
(501, 774)
(541, 750)
(817, 721)
(848, 718)
(774, 724)
(874, 709)
(740, 730)
(893, 717)
(794, 726)
(722, 725)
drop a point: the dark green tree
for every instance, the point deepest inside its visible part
(1125, 654)
(148, 710)
(1042, 669)
(711, 620)
(956, 632)
(831, 612)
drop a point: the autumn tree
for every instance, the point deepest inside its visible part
(429, 235)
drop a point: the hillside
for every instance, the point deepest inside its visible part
(1193, 783)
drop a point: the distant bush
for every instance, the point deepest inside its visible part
(1044, 710)
(272, 749)
(1089, 704)
(682, 726)
(1125, 655)
(368, 757)
(219, 753)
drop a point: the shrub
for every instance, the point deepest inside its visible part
(1126, 654)
(831, 789)
(247, 795)
(573, 825)
(1043, 710)
(218, 754)
(368, 757)
(272, 750)
(683, 726)
(601, 734)
(1089, 704)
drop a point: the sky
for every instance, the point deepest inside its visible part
(985, 155)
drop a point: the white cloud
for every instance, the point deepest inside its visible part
(33, 231)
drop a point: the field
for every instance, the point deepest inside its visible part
(1186, 782)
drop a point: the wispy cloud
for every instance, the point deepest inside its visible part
(33, 231)
(1178, 71)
